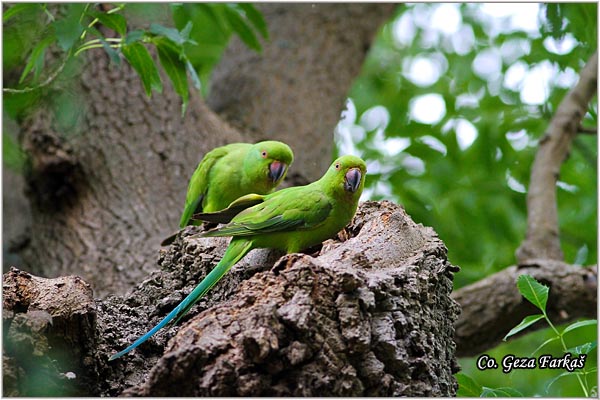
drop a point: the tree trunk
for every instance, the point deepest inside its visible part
(102, 199)
(367, 314)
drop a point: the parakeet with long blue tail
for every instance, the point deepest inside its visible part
(291, 219)
(229, 172)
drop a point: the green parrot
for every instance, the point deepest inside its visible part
(291, 219)
(229, 172)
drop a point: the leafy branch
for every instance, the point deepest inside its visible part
(76, 32)
(537, 294)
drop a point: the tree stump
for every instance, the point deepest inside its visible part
(368, 313)
(49, 330)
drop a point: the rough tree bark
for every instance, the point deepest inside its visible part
(49, 331)
(14, 203)
(368, 313)
(102, 200)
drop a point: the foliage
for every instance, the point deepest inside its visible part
(190, 47)
(448, 110)
(13, 156)
(77, 31)
(537, 294)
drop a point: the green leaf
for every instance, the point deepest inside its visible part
(173, 34)
(527, 321)
(501, 392)
(134, 36)
(18, 8)
(242, 29)
(212, 18)
(193, 75)
(169, 56)
(580, 324)
(590, 371)
(140, 59)
(556, 378)
(170, 33)
(112, 53)
(113, 21)
(467, 387)
(185, 32)
(532, 290)
(256, 18)
(69, 29)
(583, 349)
(541, 346)
(554, 20)
(36, 59)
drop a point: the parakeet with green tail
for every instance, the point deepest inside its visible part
(229, 172)
(291, 219)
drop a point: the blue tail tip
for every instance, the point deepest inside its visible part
(114, 356)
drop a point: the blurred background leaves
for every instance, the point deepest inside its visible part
(447, 111)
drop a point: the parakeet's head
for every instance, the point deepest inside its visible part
(347, 175)
(268, 162)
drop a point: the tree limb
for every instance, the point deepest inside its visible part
(587, 131)
(542, 240)
(493, 306)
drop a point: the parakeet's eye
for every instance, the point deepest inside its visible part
(337, 166)
(263, 154)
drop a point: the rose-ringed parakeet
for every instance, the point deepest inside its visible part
(229, 172)
(291, 219)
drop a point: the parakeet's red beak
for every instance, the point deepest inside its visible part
(276, 170)
(352, 181)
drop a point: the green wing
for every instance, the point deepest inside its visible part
(199, 184)
(236, 206)
(296, 208)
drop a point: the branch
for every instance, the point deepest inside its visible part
(542, 240)
(587, 131)
(48, 80)
(493, 306)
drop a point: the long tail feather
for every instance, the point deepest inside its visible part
(169, 240)
(225, 216)
(237, 249)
